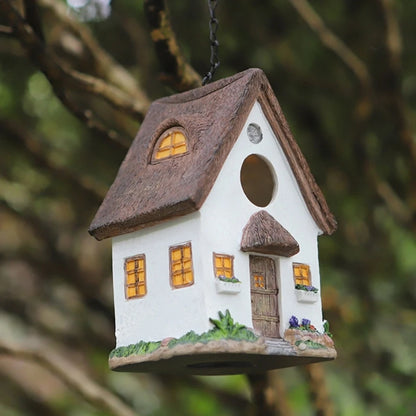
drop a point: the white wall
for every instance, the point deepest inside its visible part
(163, 311)
(227, 210)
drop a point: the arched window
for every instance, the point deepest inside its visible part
(171, 143)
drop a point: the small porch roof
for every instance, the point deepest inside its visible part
(263, 234)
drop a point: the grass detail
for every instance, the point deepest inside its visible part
(224, 328)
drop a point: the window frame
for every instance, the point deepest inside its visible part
(172, 262)
(302, 278)
(222, 256)
(163, 136)
(137, 284)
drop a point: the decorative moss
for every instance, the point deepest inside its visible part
(141, 347)
(311, 344)
(224, 328)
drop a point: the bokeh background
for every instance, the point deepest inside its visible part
(76, 78)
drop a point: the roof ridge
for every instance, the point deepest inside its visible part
(206, 90)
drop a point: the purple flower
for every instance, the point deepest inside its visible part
(306, 322)
(293, 322)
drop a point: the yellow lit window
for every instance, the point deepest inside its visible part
(172, 143)
(302, 274)
(181, 272)
(223, 265)
(135, 273)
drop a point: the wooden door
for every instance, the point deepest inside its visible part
(264, 291)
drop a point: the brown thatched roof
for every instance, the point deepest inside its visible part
(263, 234)
(212, 117)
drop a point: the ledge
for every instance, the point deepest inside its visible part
(228, 287)
(305, 296)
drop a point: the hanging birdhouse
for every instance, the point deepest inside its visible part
(214, 217)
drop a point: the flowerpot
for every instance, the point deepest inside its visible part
(228, 287)
(306, 296)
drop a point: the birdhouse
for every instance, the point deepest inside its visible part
(214, 217)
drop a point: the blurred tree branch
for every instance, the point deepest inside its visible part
(58, 263)
(321, 400)
(20, 136)
(6, 30)
(88, 117)
(72, 376)
(32, 17)
(230, 399)
(394, 97)
(332, 42)
(104, 64)
(394, 50)
(29, 403)
(263, 404)
(177, 72)
(393, 35)
(63, 77)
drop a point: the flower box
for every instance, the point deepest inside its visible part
(227, 287)
(305, 296)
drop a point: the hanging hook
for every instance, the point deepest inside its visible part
(213, 27)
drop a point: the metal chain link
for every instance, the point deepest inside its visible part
(213, 27)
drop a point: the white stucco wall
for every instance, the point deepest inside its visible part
(227, 210)
(163, 311)
(217, 227)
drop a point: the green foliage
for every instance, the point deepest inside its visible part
(306, 288)
(326, 329)
(226, 324)
(229, 279)
(224, 328)
(140, 348)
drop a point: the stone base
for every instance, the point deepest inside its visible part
(220, 357)
(311, 344)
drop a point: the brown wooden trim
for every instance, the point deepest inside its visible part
(266, 318)
(265, 291)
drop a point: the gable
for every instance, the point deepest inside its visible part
(212, 117)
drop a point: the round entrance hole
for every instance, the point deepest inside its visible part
(257, 180)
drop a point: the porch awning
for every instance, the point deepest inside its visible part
(263, 234)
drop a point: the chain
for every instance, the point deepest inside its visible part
(213, 27)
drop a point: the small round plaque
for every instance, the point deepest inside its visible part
(254, 133)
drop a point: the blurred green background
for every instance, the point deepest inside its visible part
(344, 73)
